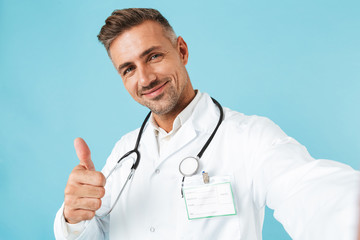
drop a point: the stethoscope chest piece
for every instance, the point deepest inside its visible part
(189, 166)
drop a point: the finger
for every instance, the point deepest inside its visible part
(92, 204)
(85, 191)
(83, 176)
(83, 153)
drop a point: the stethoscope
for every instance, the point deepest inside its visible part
(187, 167)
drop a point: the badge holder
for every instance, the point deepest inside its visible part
(213, 199)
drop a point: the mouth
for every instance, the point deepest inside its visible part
(155, 91)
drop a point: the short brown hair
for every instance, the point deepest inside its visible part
(124, 19)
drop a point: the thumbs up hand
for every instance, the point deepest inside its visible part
(84, 154)
(85, 187)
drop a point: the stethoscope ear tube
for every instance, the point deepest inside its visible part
(215, 130)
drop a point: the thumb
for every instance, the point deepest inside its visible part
(83, 153)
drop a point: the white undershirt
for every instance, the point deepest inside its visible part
(162, 137)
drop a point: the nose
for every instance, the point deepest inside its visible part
(146, 75)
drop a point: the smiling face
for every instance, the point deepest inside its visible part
(153, 68)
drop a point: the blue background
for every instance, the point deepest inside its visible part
(296, 62)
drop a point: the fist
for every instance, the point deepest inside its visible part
(85, 187)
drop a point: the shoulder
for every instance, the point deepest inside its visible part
(253, 122)
(127, 141)
(237, 123)
(253, 127)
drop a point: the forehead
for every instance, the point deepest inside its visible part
(134, 41)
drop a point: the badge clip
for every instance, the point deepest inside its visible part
(205, 177)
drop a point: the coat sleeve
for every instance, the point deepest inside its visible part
(92, 229)
(313, 199)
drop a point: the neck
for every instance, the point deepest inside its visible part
(166, 121)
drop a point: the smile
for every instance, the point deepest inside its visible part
(154, 92)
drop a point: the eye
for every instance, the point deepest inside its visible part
(128, 70)
(156, 56)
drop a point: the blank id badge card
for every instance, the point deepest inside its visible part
(207, 200)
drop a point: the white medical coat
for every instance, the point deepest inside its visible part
(313, 199)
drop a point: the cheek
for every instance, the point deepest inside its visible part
(130, 86)
(165, 70)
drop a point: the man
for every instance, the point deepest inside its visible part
(245, 161)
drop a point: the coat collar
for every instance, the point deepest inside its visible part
(202, 121)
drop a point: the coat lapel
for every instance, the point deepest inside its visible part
(193, 134)
(181, 139)
(202, 122)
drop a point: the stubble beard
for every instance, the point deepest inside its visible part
(167, 101)
(164, 103)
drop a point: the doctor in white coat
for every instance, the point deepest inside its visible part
(249, 163)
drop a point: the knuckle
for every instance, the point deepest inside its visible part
(72, 177)
(78, 167)
(68, 214)
(97, 204)
(75, 173)
(68, 201)
(100, 179)
(89, 215)
(103, 180)
(69, 190)
(101, 192)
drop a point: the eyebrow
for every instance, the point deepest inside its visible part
(142, 55)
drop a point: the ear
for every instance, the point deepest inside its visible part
(183, 50)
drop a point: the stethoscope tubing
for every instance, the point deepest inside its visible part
(133, 168)
(137, 153)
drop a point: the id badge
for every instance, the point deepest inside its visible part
(213, 199)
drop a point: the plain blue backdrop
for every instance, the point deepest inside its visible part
(296, 62)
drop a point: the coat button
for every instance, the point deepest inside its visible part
(157, 171)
